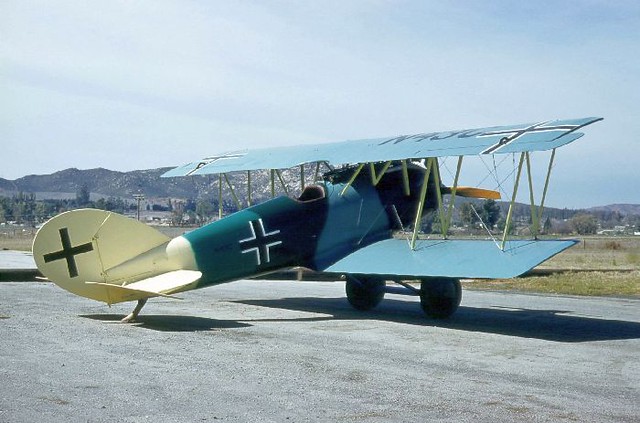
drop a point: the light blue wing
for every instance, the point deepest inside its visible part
(494, 140)
(449, 258)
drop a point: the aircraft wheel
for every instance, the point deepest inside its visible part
(440, 297)
(364, 293)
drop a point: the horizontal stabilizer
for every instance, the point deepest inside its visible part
(158, 286)
(449, 258)
(119, 294)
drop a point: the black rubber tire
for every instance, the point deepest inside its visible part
(440, 297)
(364, 293)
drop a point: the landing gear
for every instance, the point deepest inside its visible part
(440, 297)
(131, 318)
(364, 293)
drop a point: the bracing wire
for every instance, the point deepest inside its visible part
(485, 226)
(443, 163)
(494, 173)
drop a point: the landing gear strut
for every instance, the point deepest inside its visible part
(440, 297)
(364, 293)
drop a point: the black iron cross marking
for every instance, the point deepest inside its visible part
(513, 134)
(260, 241)
(212, 159)
(68, 252)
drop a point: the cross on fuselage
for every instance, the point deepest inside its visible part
(260, 241)
(68, 252)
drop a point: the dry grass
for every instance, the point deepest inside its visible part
(597, 266)
(16, 238)
(594, 253)
(594, 283)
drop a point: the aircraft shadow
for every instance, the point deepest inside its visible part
(171, 323)
(549, 325)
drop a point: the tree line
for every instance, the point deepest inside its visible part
(471, 216)
(24, 208)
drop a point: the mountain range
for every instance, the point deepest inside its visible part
(108, 183)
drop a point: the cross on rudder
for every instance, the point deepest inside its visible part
(68, 252)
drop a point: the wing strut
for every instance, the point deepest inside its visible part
(353, 178)
(220, 208)
(535, 224)
(423, 195)
(272, 179)
(375, 178)
(536, 212)
(436, 176)
(447, 222)
(546, 184)
(513, 200)
(233, 192)
(405, 179)
(281, 179)
(249, 200)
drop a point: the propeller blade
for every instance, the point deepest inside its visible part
(473, 192)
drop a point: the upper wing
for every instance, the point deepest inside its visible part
(449, 258)
(493, 140)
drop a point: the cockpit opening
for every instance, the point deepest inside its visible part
(312, 193)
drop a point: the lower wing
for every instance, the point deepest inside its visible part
(450, 258)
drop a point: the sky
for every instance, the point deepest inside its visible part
(127, 85)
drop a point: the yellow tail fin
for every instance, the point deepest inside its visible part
(89, 245)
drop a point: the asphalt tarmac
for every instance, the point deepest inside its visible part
(296, 352)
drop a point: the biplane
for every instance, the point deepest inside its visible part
(342, 223)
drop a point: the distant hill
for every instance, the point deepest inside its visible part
(108, 183)
(103, 182)
(623, 209)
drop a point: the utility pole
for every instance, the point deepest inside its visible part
(139, 197)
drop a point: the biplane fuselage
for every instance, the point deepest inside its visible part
(325, 224)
